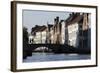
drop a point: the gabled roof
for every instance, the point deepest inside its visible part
(38, 28)
(42, 28)
(74, 18)
(49, 26)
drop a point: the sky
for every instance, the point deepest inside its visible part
(32, 17)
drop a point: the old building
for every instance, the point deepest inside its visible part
(38, 34)
(56, 31)
(77, 30)
(49, 35)
(73, 31)
(85, 32)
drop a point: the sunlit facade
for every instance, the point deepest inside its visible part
(74, 31)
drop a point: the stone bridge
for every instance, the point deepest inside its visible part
(54, 48)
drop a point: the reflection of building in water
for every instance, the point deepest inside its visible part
(74, 31)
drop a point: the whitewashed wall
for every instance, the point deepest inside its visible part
(73, 34)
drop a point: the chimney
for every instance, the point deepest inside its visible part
(54, 20)
(73, 13)
(70, 14)
(57, 19)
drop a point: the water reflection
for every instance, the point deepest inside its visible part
(41, 57)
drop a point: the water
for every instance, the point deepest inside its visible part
(42, 57)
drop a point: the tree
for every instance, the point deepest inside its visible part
(25, 35)
(25, 43)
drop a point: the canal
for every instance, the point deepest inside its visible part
(42, 57)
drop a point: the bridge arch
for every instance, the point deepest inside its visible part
(42, 49)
